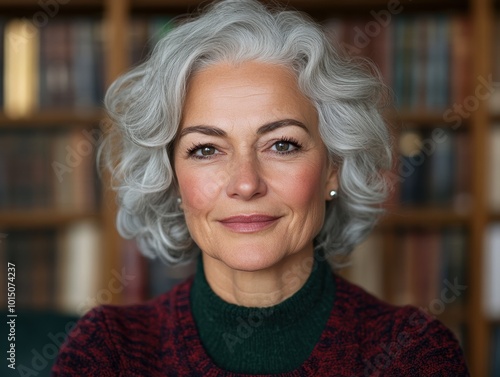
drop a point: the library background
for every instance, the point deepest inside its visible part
(438, 246)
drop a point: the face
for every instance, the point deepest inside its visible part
(252, 169)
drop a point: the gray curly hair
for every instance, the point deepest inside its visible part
(146, 103)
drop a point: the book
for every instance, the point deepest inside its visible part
(462, 198)
(53, 168)
(453, 261)
(19, 251)
(21, 42)
(43, 255)
(57, 66)
(491, 276)
(441, 168)
(3, 271)
(135, 264)
(413, 166)
(2, 73)
(430, 262)
(78, 266)
(56, 86)
(495, 352)
(366, 265)
(424, 269)
(495, 96)
(425, 58)
(460, 58)
(83, 71)
(494, 170)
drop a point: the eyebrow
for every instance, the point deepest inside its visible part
(268, 127)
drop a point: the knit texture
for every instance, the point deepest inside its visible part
(363, 337)
(267, 340)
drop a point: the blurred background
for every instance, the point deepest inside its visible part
(438, 246)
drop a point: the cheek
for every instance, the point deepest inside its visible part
(199, 189)
(305, 185)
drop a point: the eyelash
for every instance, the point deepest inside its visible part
(191, 151)
(294, 142)
(289, 140)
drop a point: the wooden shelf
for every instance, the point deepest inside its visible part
(495, 217)
(315, 7)
(421, 119)
(423, 217)
(41, 218)
(54, 118)
(21, 7)
(454, 314)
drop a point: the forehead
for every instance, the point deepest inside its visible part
(251, 90)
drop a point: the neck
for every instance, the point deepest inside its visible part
(262, 288)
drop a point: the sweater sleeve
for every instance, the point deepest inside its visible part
(422, 346)
(88, 350)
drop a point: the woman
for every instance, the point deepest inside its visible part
(247, 137)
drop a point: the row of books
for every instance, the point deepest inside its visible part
(429, 261)
(49, 169)
(434, 168)
(425, 58)
(58, 66)
(54, 270)
(144, 33)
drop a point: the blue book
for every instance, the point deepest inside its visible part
(495, 352)
(83, 70)
(441, 169)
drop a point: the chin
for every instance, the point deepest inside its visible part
(251, 259)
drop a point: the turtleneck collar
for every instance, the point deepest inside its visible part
(268, 340)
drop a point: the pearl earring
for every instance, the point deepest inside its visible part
(179, 201)
(333, 194)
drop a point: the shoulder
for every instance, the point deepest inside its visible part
(399, 340)
(111, 338)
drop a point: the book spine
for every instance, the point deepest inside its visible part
(491, 275)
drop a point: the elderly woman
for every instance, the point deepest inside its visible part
(246, 137)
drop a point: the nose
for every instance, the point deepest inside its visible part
(245, 179)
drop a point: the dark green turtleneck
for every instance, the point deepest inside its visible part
(275, 339)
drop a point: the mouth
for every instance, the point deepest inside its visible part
(249, 224)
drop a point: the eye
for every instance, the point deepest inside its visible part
(205, 151)
(202, 151)
(285, 146)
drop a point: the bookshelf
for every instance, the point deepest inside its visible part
(117, 15)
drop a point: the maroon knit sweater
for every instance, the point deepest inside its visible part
(363, 337)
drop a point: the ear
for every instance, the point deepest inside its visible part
(332, 182)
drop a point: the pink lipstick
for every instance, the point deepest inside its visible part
(248, 224)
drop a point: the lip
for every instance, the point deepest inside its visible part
(249, 223)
